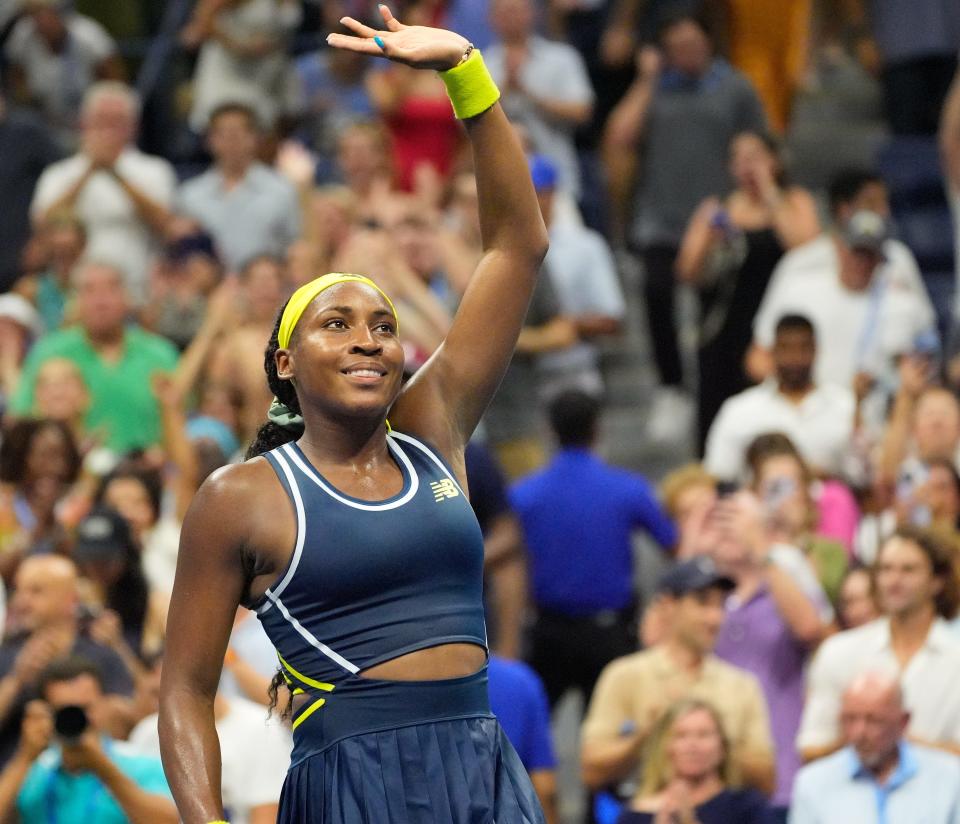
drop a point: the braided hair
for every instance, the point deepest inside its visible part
(271, 435)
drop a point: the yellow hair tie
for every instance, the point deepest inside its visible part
(469, 86)
(304, 296)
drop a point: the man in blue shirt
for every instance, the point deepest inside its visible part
(578, 515)
(67, 769)
(878, 778)
(519, 701)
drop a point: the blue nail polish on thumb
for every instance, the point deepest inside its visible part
(379, 41)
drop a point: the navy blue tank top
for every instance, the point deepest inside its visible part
(370, 581)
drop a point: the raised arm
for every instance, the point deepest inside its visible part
(447, 397)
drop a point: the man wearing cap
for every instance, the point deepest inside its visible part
(635, 691)
(863, 317)
(582, 271)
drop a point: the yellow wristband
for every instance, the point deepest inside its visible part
(469, 86)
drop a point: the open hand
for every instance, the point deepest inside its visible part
(421, 47)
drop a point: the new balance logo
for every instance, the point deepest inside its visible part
(444, 489)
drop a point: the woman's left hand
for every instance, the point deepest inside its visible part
(421, 47)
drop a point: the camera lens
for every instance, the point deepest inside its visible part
(70, 722)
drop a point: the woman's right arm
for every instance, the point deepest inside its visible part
(209, 585)
(697, 240)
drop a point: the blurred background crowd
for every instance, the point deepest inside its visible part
(718, 486)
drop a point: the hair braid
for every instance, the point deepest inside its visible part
(270, 435)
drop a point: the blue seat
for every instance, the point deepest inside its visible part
(912, 171)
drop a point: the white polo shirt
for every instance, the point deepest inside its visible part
(115, 231)
(254, 755)
(930, 683)
(856, 330)
(820, 426)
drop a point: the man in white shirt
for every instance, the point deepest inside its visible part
(917, 589)
(121, 195)
(544, 84)
(865, 313)
(254, 752)
(817, 418)
(856, 190)
(55, 54)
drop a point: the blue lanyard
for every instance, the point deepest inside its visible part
(50, 795)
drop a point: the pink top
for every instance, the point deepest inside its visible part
(839, 513)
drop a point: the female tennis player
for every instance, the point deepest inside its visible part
(352, 537)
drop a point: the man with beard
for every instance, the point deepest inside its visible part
(880, 768)
(818, 418)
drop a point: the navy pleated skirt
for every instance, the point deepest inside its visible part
(446, 772)
(391, 752)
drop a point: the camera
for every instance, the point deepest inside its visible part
(70, 723)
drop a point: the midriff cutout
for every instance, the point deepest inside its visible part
(430, 664)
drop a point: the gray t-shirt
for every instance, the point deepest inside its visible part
(685, 147)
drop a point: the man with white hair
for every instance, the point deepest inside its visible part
(879, 776)
(121, 195)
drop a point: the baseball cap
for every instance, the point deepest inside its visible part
(694, 575)
(543, 172)
(102, 535)
(203, 426)
(867, 231)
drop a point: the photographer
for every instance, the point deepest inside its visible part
(67, 769)
(46, 625)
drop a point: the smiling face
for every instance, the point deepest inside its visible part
(345, 357)
(905, 578)
(696, 746)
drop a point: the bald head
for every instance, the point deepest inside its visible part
(873, 718)
(882, 688)
(46, 592)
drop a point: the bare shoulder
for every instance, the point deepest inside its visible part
(235, 495)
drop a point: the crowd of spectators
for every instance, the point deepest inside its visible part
(798, 658)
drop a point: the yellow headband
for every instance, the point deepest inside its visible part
(304, 296)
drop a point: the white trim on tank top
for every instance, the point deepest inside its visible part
(369, 507)
(311, 638)
(430, 454)
(301, 530)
